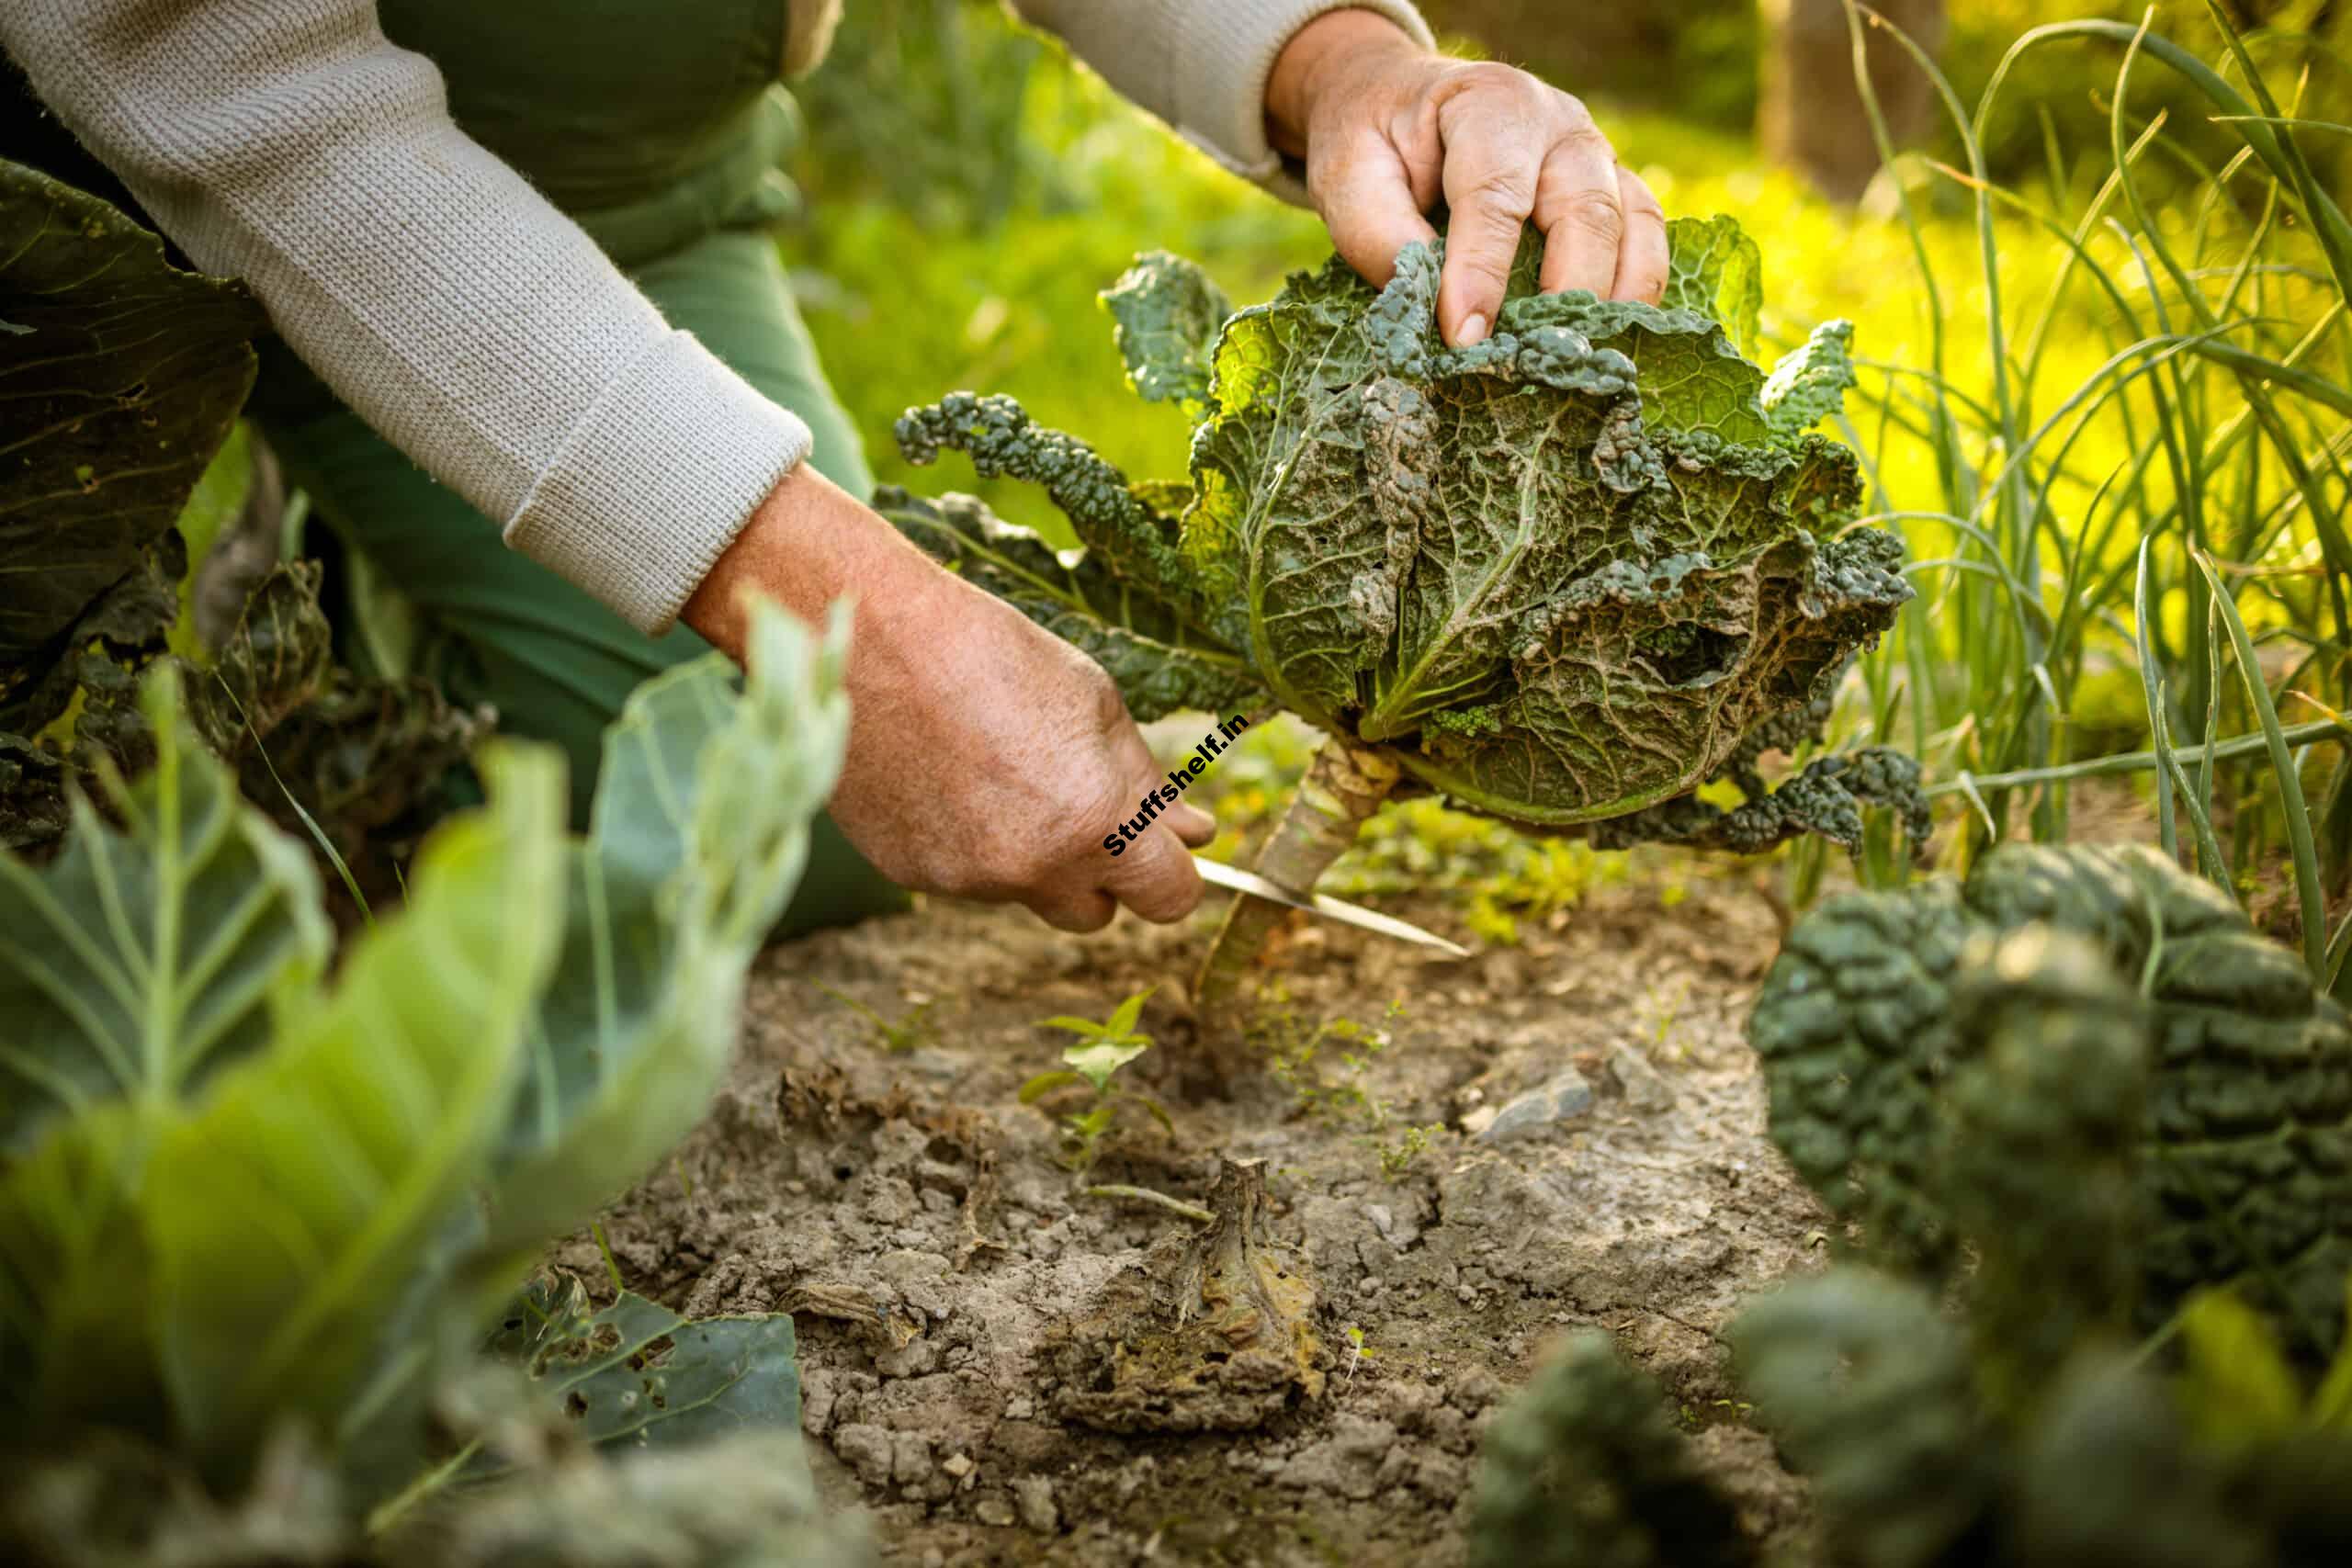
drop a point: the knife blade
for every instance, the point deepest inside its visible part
(1250, 882)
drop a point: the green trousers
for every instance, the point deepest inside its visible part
(495, 626)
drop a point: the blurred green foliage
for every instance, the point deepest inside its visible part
(2060, 98)
(919, 102)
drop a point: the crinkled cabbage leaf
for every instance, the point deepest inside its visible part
(1562, 574)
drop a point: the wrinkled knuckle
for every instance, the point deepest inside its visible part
(1492, 77)
(1570, 111)
(1506, 184)
(1163, 911)
(1586, 142)
(1164, 900)
(1078, 918)
(1487, 94)
(1596, 213)
(1505, 196)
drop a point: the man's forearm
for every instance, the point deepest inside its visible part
(808, 544)
(287, 143)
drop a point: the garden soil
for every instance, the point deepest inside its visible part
(983, 1369)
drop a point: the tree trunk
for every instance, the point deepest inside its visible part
(1812, 117)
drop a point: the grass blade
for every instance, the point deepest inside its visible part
(2151, 685)
(2310, 902)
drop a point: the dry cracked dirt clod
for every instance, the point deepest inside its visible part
(1213, 1332)
(887, 1326)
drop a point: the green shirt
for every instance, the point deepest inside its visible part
(650, 125)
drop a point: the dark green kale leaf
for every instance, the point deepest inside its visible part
(1160, 665)
(2042, 1158)
(1870, 1014)
(1167, 312)
(1868, 1389)
(2026, 1429)
(1584, 1470)
(128, 375)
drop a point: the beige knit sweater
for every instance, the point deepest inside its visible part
(287, 143)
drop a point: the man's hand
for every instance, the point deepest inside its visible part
(987, 757)
(1387, 128)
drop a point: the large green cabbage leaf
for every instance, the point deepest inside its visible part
(229, 1191)
(1563, 575)
(289, 1207)
(140, 961)
(224, 1242)
(698, 834)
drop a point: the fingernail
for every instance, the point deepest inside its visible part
(1474, 330)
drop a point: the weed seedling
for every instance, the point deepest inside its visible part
(911, 1030)
(1102, 1047)
(1327, 1066)
(1297, 1057)
(1397, 1158)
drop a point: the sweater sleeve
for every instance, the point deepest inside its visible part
(289, 143)
(1203, 65)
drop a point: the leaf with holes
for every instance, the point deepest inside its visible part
(639, 1373)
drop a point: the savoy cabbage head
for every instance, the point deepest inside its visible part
(1561, 575)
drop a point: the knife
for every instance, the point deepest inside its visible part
(1316, 903)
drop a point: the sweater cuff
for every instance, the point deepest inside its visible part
(676, 430)
(1225, 57)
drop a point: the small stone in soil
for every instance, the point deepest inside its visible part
(1645, 1088)
(1563, 1098)
(865, 1448)
(1033, 1495)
